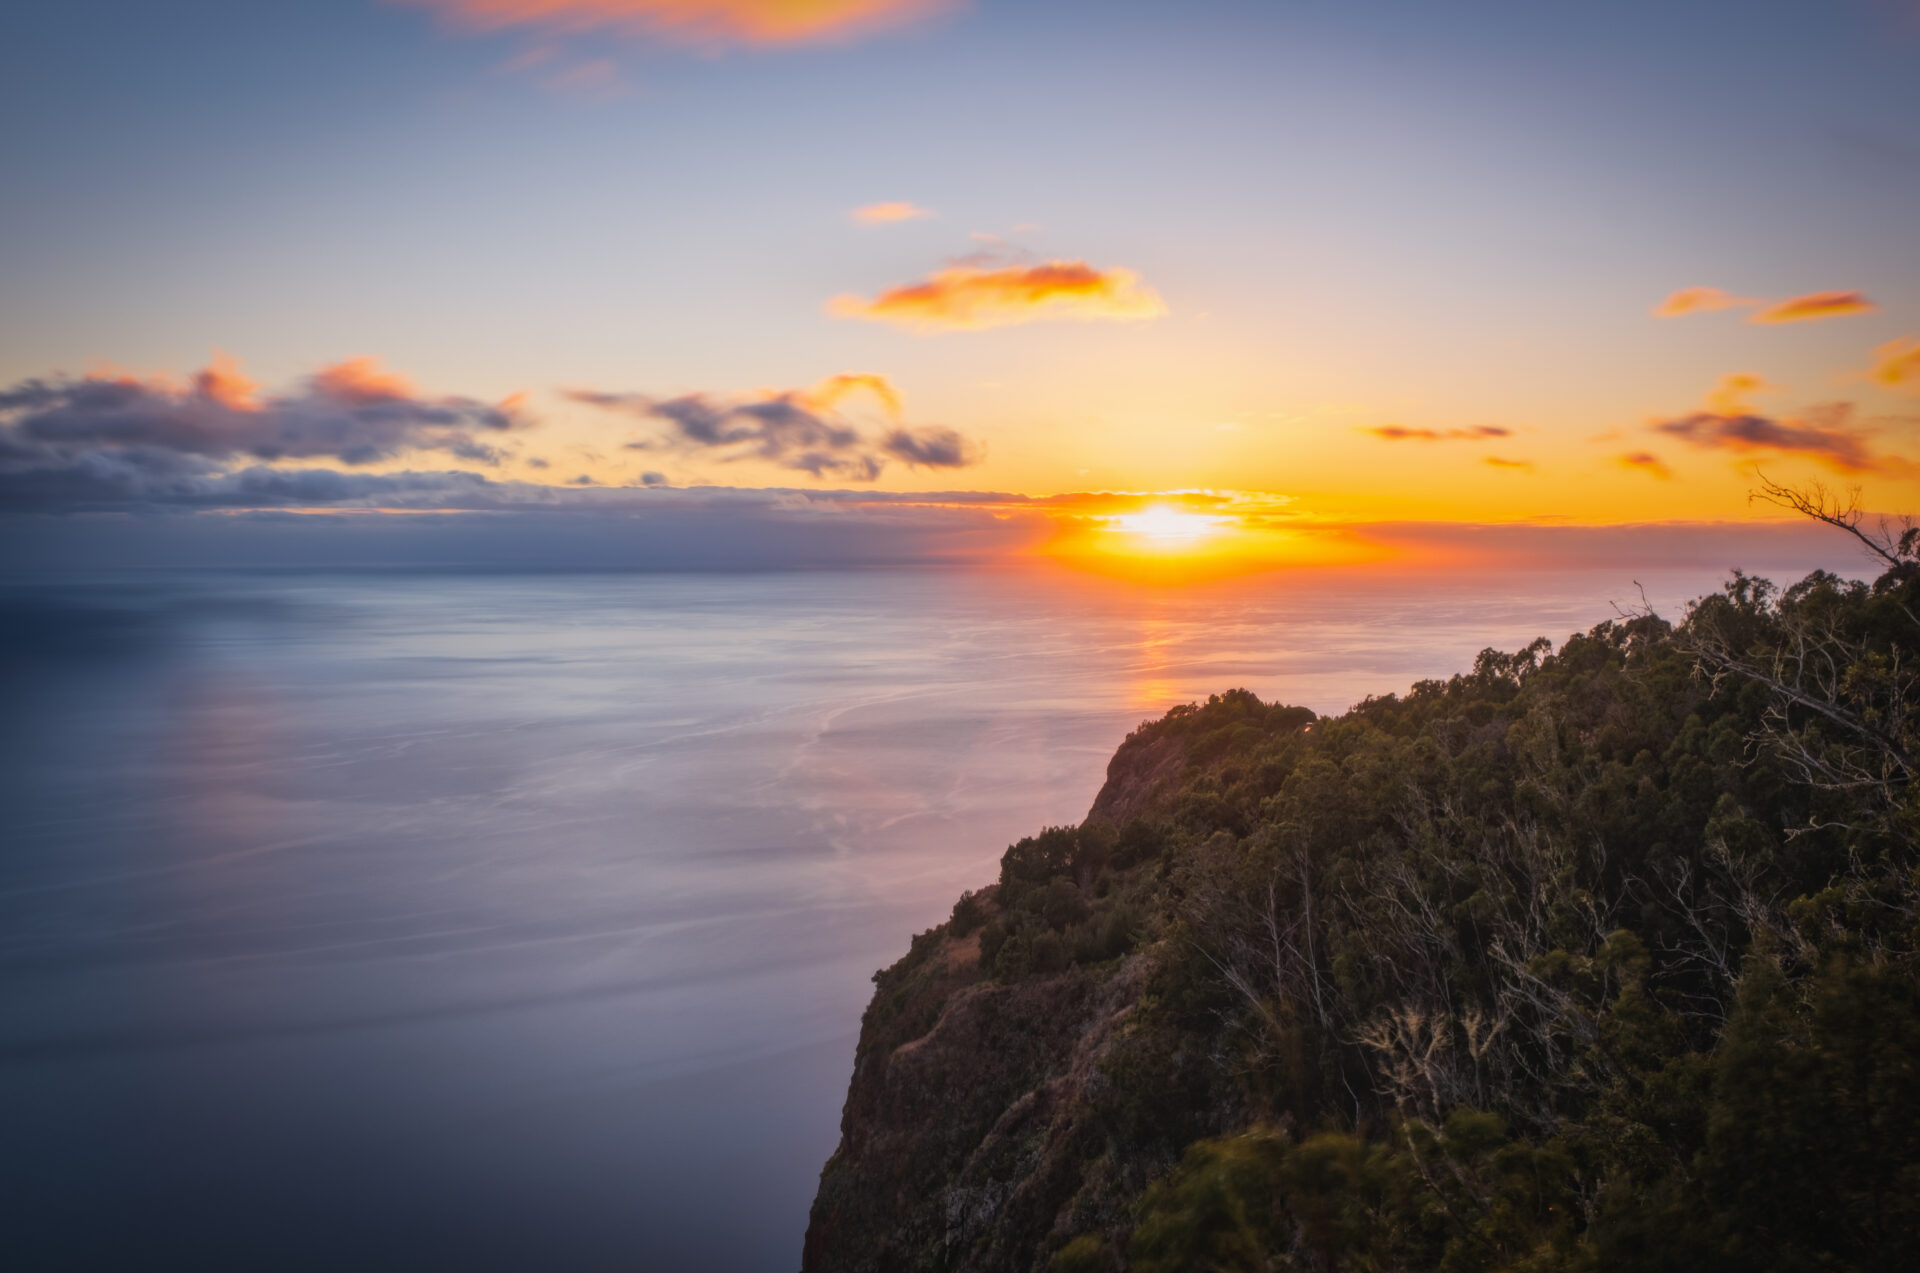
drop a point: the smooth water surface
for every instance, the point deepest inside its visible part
(403, 921)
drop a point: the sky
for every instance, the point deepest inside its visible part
(904, 279)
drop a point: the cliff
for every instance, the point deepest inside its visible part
(1596, 957)
(980, 1123)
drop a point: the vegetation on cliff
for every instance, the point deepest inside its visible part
(1598, 957)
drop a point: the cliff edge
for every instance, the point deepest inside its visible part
(982, 1123)
(1598, 957)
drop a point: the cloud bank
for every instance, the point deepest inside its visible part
(467, 522)
(354, 412)
(122, 439)
(969, 297)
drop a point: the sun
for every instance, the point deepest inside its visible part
(1175, 538)
(1160, 526)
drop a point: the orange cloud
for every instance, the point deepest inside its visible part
(223, 382)
(1896, 364)
(692, 22)
(882, 213)
(361, 381)
(1699, 300)
(1795, 309)
(1524, 466)
(1814, 306)
(964, 297)
(1400, 433)
(829, 392)
(1647, 462)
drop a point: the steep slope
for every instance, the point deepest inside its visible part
(978, 1125)
(1597, 957)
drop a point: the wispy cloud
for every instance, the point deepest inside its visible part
(1730, 423)
(1700, 300)
(972, 296)
(1401, 433)
(1646, 462)
(883, 213)
(700, 23)
(1826, 434)
(1896, 364)
(1813, 307)
(1795, 309)
(832, 391)
(1829, 437)
(1520, 466)
(806, 430)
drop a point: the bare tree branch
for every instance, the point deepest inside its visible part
(1816, 501)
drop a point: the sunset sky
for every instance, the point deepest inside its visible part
(1333, 265)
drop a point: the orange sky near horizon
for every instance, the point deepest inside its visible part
(1382, 265)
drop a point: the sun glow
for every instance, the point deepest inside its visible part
(1185, 537)
(1162, 527)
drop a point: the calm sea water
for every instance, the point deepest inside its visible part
(389, 921)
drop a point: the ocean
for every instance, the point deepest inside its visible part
(390, 920)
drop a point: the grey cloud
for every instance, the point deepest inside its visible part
(785, 429)
(478, 452)
(351, 413)
(1830, 440)
(145, 478)
(483, 524)
(934, 448)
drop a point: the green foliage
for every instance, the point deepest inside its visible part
(1071, 895)
(968, 914)
(1606, 956)
(1599, 957)
(1466, 1197)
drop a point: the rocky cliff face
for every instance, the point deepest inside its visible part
(962, 1147)
(1139, 774)
(981, 1129)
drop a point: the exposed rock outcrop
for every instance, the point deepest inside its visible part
(964, 1146)
(981, 1129)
